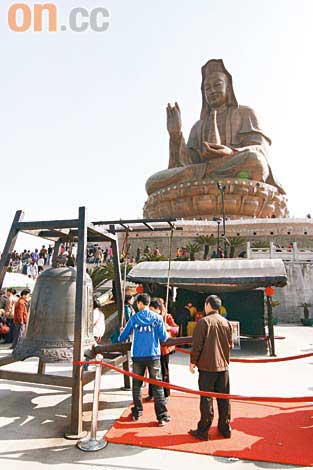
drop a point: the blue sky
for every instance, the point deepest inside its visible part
(83, 114)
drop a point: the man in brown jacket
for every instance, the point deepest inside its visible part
(20, 317)
(211, 345)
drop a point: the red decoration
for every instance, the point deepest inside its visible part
(139, 289)
(269, 291)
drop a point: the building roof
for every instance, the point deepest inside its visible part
(219, 275)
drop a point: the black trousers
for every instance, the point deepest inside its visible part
(154, 368)
(165, 375)
(183, 324)
(214, 382)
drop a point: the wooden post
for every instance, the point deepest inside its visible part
(41, 367)
(117, 277)
(76, 429)
(56, 250)
(126, 368)
(10, 243)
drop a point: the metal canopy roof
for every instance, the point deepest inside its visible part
(99, 231)
(139, 225)
(217, 274)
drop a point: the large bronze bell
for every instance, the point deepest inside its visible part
(50, 328)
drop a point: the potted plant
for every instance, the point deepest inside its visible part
(306, 321)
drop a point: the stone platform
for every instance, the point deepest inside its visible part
(201, 198)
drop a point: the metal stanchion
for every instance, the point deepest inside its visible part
(92, 444)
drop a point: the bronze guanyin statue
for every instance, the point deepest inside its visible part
(226, 145)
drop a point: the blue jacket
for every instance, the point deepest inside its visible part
(149, 330)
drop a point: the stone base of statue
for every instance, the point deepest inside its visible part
(201, 198)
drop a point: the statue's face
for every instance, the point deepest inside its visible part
(215, 89)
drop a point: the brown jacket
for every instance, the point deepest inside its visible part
(211, 343)
(21, 311)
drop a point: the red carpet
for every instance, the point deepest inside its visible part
(281, 433)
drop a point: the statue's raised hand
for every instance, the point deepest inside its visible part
(173, 119)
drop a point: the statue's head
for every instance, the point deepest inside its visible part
(216, 87)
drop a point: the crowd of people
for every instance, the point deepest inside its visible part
(30, 262)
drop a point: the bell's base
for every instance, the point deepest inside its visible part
(48, 351)
(92, 445)
(74, 437)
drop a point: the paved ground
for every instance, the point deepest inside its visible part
(33, 418)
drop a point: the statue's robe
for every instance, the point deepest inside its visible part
(240, 130)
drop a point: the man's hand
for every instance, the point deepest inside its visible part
(192, 368)
(216, 150)
(121, 329)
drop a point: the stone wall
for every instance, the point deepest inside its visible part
(298, 290)
(280, 231)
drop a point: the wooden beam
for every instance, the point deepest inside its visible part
(155, 229)
(4, 361)
(133, 221)
(124, 347)
(54, 380)
(10, 244)
(48, 224)
(127, 227)
(149, 226)
(51, 234)
(101, 233)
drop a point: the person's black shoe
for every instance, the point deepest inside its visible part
(135, 414)
(226, 434)
(148, 398)
(202, 436)
(164, 421)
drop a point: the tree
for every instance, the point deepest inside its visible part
(102, 274)
(235, 242)
(192, 249)
(152, 257)
(206, 241)
(260, 244)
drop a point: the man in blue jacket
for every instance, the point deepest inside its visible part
(149, 330)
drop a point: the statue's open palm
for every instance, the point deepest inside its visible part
(173, 119)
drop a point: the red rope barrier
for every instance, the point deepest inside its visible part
(277, 359)
(198, 392)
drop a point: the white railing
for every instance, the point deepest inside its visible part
(292, 253)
